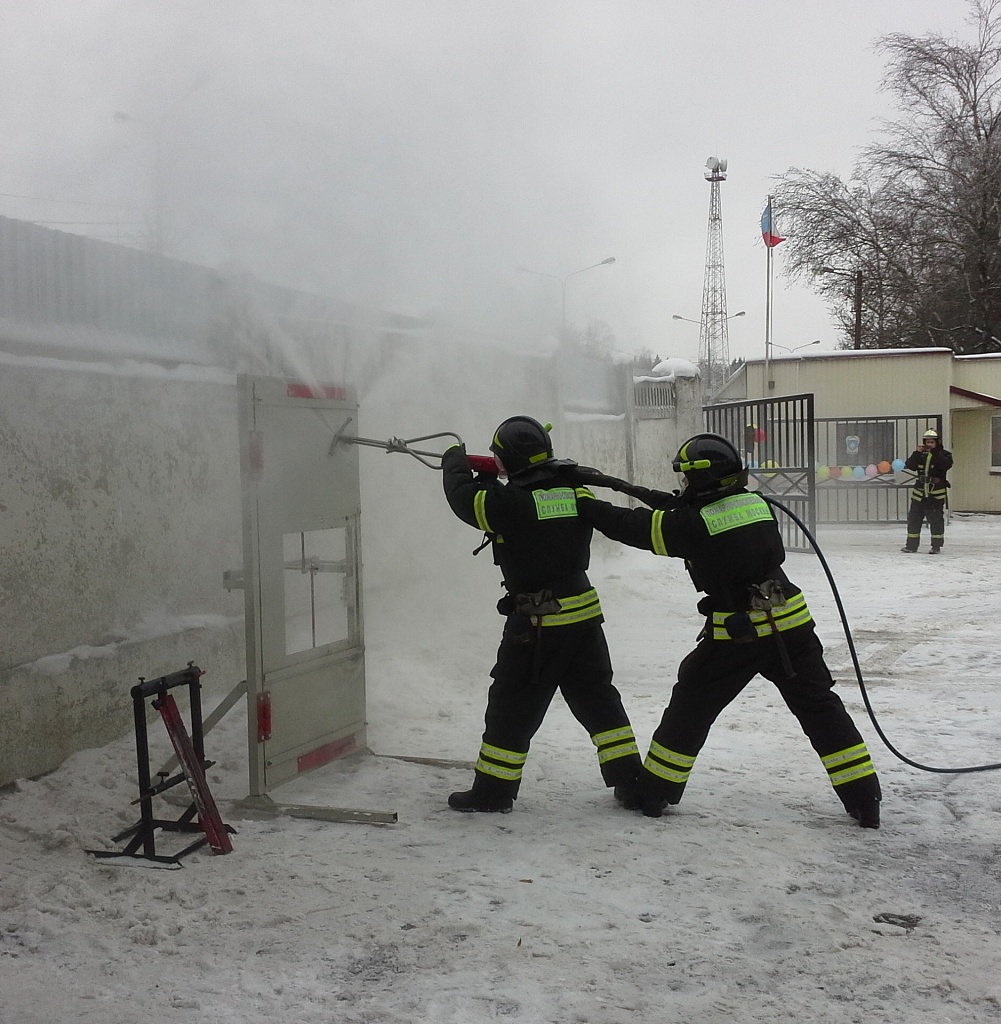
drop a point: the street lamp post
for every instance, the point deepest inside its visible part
(563, 288)
(857, 299)
(157, 243)
(156, 131)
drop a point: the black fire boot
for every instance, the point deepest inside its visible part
(866, 812)
(487, 795)
(643, 794)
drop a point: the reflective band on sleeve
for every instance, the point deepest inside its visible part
(735, 511)
(577, 608)
(668, 764)
(501, 764)
(556, 503)
(583, 492)
(848, 765)
(657, 543)
(792, 614)
(480, 511)
(615, 743)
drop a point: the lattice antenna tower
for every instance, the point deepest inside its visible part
(714, 340)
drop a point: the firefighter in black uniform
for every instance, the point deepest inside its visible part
(931, 462)
(552, 637)
(757, 621)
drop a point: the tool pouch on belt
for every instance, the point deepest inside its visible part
(541, 602)
(766, 595)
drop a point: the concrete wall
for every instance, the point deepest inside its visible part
(897, 382)
(119, 511)
(974, 487)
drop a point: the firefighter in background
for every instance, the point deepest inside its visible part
(757, 621)
(931, 462)
(553, 637)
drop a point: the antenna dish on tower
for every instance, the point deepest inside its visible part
(712, 163)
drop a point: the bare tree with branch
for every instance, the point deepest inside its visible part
(918, 227)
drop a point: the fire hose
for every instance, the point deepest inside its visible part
(486, 464)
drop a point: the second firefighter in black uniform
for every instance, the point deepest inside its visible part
(930, 463)
(757, 621)
(553, 638)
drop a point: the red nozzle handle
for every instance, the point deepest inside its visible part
(482, 464)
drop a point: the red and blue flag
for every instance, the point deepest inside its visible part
(767, 228)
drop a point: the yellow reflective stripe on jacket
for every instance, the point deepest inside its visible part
(792, 614)
(668, 764)
(577, 608)
(500, 763)
(479, 510)
(583, 492)
(657, 543)
(615, 743)
(848, 765)
(925, 489)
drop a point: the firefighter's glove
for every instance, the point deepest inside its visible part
(457, 453)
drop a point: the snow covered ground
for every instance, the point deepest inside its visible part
(756, 899)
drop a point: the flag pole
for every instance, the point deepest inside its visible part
(768, 304)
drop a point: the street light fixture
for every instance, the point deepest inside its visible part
(675, 316)
(156, 132)
(797, 347)
(563, 288)
(857, 299)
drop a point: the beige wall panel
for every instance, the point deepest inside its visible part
(974, 487)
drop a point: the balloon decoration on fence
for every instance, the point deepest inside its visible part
(873, 471)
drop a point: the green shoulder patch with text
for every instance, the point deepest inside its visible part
(558, 503)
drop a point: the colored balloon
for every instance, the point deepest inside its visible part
(858, 472)
(834, 472)
(823, 472)
(897, 465)
(846, 472)
(871, 470)
(883, 467)
(768, 464)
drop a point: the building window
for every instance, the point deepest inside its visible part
(996, 444)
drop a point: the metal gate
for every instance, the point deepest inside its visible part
(859, 470)
(301, 578)
(777, 439)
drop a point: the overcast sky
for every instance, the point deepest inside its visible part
(415, 153)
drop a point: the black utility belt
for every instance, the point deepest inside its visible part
(539, 602)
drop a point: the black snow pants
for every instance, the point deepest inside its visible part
(532, 664)
(715, 673)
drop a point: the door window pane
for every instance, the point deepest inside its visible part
(316, 570)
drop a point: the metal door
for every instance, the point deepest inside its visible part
(302, 578)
